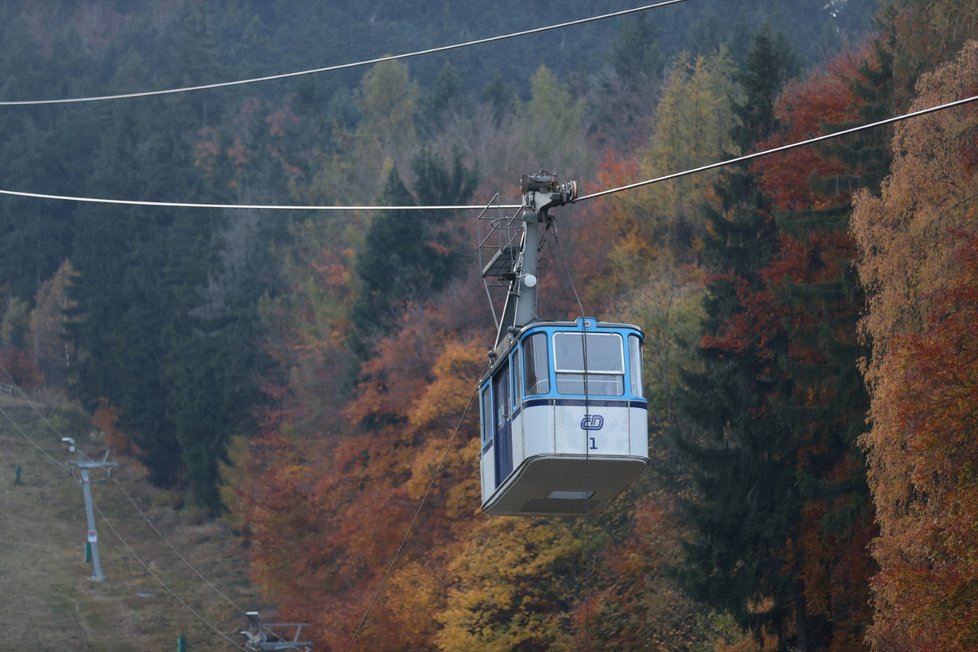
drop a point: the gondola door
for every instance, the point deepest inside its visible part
(503, 424)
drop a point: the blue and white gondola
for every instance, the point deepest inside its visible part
(564, 420)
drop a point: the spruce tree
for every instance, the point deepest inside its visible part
(828, 404)
(407, 255)
(738, 453)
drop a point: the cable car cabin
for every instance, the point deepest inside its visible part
(564, 422)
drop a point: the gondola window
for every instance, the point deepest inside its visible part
(605, 364)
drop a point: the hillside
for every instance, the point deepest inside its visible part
(49, 601)
(306, 371)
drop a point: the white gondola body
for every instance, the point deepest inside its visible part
(560, 426)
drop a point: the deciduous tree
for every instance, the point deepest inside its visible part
(917, 244)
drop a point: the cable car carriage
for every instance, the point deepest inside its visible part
(564, 424)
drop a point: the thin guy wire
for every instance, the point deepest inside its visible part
(631, 186)
(128, 496)
(782, 148)
(175, 551)
(355, 64)
(164, 584)
(417, 513)
(587, 457)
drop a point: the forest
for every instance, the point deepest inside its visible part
(306, 377)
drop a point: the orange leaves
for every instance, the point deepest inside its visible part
(928, 548)
(105, 418)
(352, 482)
(809, 108)
(456, 371)
(919, 246)
(930, 191)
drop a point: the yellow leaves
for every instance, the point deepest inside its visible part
(456, 372)
(417, 590)
(433, 418)
(693, 123)
(507, 582)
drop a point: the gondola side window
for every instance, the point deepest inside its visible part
(535, 363)
(517, 382)
(600, 355)
(500, 396)
(487, 427)
(635, 364)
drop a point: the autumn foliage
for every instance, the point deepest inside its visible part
(918, 259)
(788, 299)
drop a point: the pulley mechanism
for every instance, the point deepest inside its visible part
(517, 264)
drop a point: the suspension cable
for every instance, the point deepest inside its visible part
(262, 207)
(355, 64)
(595, 195)
(782, 148)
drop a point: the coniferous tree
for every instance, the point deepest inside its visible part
(407, 256)
(739, 454)
(823, 300)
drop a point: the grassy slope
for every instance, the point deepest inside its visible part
(47, 601)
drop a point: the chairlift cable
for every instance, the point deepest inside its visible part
(56, 461)
(124, 492)
(175, 551)
(149, 570)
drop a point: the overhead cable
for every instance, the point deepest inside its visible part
(175, 551)
(61, 464)
(631, 186)
(165, 586)
(342, 66)
(782, 148)
(262, 207)
(64, 466)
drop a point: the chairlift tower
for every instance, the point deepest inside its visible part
(85, 465)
